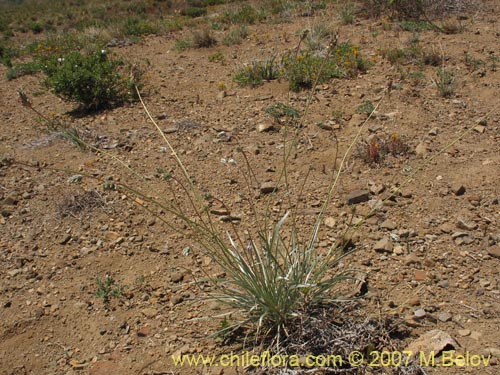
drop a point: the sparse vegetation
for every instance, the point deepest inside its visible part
(235, 36)
(203, 39)
(445, 82)
(257, 72)
(108, 288)
(347, 13)
(377, 148)
(283, 112)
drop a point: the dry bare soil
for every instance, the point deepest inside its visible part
(442, 229)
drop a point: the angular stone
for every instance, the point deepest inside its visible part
(268, 187)
(432, 341)
(358, 196)
(383, 245)
(388, 224)
(330, 222)
(458, 189)
(444, 317)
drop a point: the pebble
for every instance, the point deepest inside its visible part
(149, 312)
(398, 250)
(265, 127)
(177, 277)
(463, 332)
(421, 149)
(411, 259)
(358, 196)
(388, 224)
(458, 189)
(420, 275)
(434, 131)
(444, 284)
(176, 299)
(330, 222)
(494, 252)
(384, 245)
(444, 317)
(420, 313)
(268, 187)
(462, 224)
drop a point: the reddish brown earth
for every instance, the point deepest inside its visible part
(52, 322)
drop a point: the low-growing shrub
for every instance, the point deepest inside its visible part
(19, 70)
(305, 69)
(194, 12)
(245, 14)
(203, 39)
(92, 80)
(257, 72)
(235, 36)
(137, 26)
(445, 82)
(377, 148)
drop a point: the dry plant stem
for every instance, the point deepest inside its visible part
(174, 154)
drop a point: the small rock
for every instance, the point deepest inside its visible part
(480, 129)
(444, 317)
(398, 250)
(414, 301)
(446, 228)
(406, 193)
(420, 313)
(330, 222)
(444, 284)
(65, 240)
(458, 189)
(15, 272)
(149, 312)
(420, 275)
(176, 277)
(388, 224)
(432, 341)
(463, 332)
(377, 189)
(176, 299)
(358, 196)
(461, 224)
(268, 187)
(421, 149)
(222, 211)
(265, 127)
(433, 131)
(383, 245)
(495, 252)
(411, 259)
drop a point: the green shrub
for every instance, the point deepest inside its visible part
(245, 14)
(257, 72)
(6, 54)
(182, 44)
(306, 69)
(217, 57)
(137, 26)
(93, 80)
(194, 12)
(235, 36)
(19, 70)
(347, 13)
